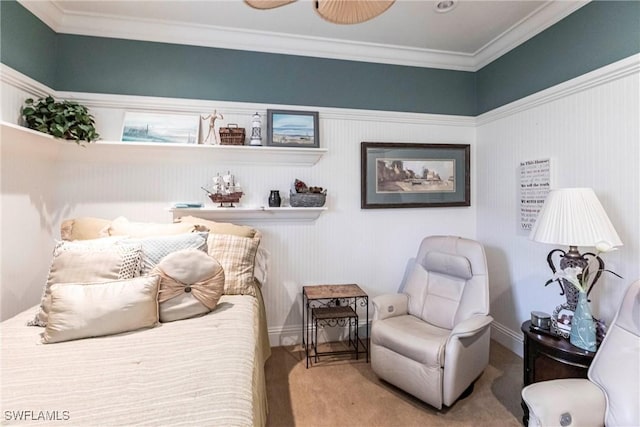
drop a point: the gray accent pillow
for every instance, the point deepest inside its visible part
(157, 247)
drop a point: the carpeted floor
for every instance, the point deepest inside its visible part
(346, 392)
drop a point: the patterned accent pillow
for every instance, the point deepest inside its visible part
(237, 256)
(88, 261)
(157, 247)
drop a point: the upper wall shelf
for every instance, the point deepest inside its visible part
(117, 150)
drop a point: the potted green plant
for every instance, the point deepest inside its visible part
(62, 119)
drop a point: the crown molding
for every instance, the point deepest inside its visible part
(528, 27)
(250, 40)
(23, 82)
(608, 73)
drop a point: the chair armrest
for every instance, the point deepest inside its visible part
(390, 305)
(470, 326)
(553, 402)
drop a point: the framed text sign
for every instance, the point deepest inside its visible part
(535, 183)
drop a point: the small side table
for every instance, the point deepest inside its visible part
(333, 305)
(548, 358)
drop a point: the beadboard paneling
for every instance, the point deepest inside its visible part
(591, 137)
(344, 245)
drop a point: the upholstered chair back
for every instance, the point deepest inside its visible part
(448, 281)
(616, 366)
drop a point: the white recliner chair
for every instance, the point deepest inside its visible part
(611, 395)
(432, 339)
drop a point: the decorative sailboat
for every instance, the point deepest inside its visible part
(225, 190)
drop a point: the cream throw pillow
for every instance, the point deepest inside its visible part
(121, 226)
(83, 310)
(237, 256)
(88, 261)
(219, 227)
(191, 284)
(84, 228)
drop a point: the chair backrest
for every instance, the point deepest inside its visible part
(448, 282)
(616, 365)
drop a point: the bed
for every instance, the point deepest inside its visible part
(205, 370)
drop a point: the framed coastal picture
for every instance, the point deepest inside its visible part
(401, 175)
(162, 128)
(292, 128)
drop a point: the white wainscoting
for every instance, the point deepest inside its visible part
(589, 126)
(590, 129)
(343, 245)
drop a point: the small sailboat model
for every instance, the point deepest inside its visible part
(225, 190)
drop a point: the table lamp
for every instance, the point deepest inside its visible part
(574, 217)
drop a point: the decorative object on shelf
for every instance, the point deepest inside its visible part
(62, 119)
(212, 127)
(397, 175)
(302, 196)
(274, 199)
(256, 130)
(292, 129)
(225, 190)
(232, 135)
(165, 128)
(574, 217)
(187, 205)
(338, 11)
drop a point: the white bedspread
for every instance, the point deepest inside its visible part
(199, 371)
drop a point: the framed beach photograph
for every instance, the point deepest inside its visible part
(401, 175)
(162, 128)
(292, 128)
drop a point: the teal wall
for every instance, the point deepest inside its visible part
(161, 69)
(26, 44)
(597, 34)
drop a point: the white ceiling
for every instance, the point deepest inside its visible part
(410, 32)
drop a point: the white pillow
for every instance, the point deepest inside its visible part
(82, 310)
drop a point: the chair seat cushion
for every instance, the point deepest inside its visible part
(413, 338)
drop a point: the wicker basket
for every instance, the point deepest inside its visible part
(307, 200)
(232, 135)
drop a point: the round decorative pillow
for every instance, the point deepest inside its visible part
(191, 283)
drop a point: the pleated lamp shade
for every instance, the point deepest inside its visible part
(351, 11)
(573, 217)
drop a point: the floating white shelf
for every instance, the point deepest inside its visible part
(239, 214)
(123, 151)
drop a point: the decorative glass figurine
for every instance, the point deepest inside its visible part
(256, 130)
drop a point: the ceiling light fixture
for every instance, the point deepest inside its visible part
(336, 11)
(445, 6)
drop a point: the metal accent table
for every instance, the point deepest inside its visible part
(333, 305)
(548, 357)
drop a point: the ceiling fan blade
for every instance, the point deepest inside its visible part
(267, 4)
(351, 11)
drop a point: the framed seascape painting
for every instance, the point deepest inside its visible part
(168, 128)
(400, 175)
(292, 128)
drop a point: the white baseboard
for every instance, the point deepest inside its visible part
(508, 338)
(292, 335)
